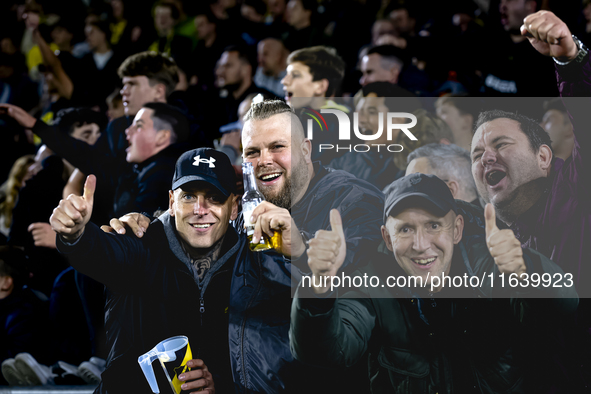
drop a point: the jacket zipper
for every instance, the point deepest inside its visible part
(244, 321)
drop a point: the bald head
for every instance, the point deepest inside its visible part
(272, 56)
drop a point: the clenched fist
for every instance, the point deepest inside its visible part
(73, 213)
(549, 35)
(503, 246)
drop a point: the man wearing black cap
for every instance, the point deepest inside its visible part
(176, 280)
(418, 339)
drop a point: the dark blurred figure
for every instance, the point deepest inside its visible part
(131, 27)
(507, 56)
(100, 65)
(459, 113)
(49, 174)
(234, 79)
(276, 18)
(382, 63)
(559, 127)
(166, 17)
(252, 25)
(302, 33)
(115, 105)
(211, 43)
(379, 166)
(9, 192)
(23, 312)
(272, 62)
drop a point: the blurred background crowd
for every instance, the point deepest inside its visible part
(62, 62)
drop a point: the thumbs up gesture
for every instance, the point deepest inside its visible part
(503, 246)
(327, 251)
(73, 213)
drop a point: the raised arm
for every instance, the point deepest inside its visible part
(88, 158)
(112, 260)
(550, 36)
(63, 83)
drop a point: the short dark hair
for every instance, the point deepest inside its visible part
(389, 53)
(401, 5)
(174, 11)
(245, 54)
(13, 263)
(168, 117)
(555, 103)
(465, 104)
(536, 135)
(397, 99)
(69, 118)
(324, 63)
(260, 7)
(104, 27)
(155, 66)
(206, 11)
(310, 5)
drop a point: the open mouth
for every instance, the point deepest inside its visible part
(269, 177)
(494, 177)
(424, 262)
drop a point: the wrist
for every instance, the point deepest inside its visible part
(300, 246)
(72, 238)
(575, 56)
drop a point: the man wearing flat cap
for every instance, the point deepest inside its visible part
(187, 276)
(419, 339)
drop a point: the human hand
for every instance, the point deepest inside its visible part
(503, 246)
(43, 235)
(136, 222)
(269, 218)
(20, 115)
(73, 213)
(326, 252)
(549, 35)
(198, 379)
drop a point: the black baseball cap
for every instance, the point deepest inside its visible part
(207, 165)
(418, 190)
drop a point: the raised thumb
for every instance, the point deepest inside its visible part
(89, 188)
(490, 220)
(336, 223)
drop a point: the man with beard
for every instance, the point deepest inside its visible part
(302, 191)
(542, 198)
(299, 196)
(426, 335)
(234, 78)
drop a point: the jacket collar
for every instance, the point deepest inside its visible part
(232, 244)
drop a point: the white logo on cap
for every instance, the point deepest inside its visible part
(199, 160)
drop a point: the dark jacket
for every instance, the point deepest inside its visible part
(22, 317)
(145, 190)
(377, 168)
(242, 332)
(360, 204)
(141, 188)
(428, 345)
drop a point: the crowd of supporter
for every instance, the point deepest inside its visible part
(121, 88)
